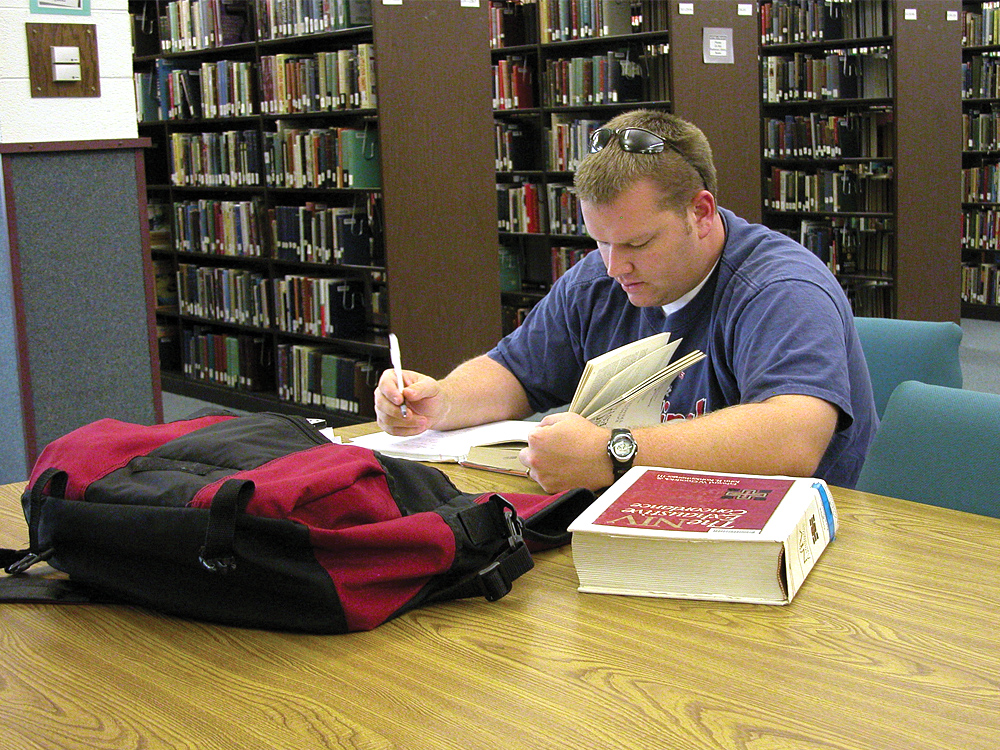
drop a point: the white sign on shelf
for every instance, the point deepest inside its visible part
(685, 9)
(717, 46)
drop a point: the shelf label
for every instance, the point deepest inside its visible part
(744, 9)
(952, 15)
(685, 9)
(469, 3)
(910, 14)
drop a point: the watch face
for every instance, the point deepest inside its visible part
(622, 447)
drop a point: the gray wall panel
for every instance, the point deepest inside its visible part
(82, 281)
(12, 458)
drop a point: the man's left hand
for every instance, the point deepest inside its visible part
(568, 451)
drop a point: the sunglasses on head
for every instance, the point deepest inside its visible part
(637, 141)
(633, 140)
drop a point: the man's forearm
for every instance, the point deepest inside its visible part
(783, 435)
(481, 390)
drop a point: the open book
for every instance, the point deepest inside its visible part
(624, 387)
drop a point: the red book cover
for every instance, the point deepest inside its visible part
(691, 502)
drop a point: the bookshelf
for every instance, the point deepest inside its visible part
(312, 182)
(548, 98)
(557, 76)
(857, 121)
(980, 160)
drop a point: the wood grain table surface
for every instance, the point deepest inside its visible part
(891, 643)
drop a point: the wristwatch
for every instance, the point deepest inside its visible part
(622, 449)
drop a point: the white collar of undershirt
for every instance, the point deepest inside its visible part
(678, 304)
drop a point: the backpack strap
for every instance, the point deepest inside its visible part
(29, 588)
(26, 588)
(18, 561)
(58, 480)
(216, 554)
(483, 522)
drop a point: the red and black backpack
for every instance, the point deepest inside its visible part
(261, 521)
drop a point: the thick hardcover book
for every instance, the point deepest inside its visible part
(703, 535)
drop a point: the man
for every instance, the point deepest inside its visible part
(784, 388)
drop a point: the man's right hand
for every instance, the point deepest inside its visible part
(422, 396)
(477, 391)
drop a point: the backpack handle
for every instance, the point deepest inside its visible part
(217, 554)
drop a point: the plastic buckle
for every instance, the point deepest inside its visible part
(221, 565)
(494, 584)
(28, 560)
(514, 526)
(497, 579)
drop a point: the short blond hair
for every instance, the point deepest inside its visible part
(680, 171)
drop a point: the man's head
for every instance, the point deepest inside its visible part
(682, 167)
(648, 201)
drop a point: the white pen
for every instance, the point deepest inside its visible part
(397, 366)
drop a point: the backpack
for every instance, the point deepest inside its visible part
(261, 521)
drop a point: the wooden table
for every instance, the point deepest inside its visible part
(891, 643)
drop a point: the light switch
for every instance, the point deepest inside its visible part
(65, 55)
(66, 72)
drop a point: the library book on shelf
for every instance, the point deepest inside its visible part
(682, 534)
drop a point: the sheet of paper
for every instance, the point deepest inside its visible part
(446, 446)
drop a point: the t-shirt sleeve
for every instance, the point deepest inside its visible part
(789, 339)
(544, 353)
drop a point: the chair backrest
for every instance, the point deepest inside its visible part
(939, 446)
(898, 350)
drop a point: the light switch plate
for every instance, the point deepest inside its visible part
(66, 55)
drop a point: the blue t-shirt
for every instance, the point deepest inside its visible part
(771, 319)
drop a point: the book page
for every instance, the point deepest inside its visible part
(638, 372)
(601, 369)
(641, 406)
(640, 409)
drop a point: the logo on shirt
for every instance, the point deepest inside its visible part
(666, 415)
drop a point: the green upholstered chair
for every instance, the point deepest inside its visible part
(898, 350)
(940, 446)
